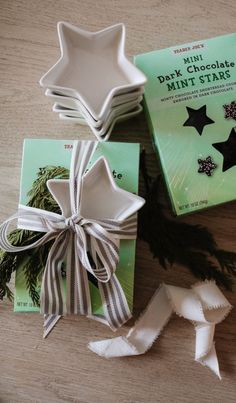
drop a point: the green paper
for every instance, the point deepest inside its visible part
(191, 75)
(123, 159)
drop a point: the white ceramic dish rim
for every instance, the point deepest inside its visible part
(128, 115)
(116, 111)
(105, 136)
(86, 115)
(117, 100)
(73, 119)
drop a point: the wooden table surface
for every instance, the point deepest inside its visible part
(62, 369)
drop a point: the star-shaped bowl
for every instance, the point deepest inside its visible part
(73, 103)
(114, 112)
(101, 198)
(93, 67)
(103, 135)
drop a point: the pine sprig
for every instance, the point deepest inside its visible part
(33, 269)
(173, 241)
(7, 267)
(202, 267)
(226, 260)
(39, 196)
(32, 261)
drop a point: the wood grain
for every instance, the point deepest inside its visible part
(62, 369)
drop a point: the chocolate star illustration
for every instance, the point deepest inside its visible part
(228, 150)
(206, 166)
(198, 118)
(230, 110)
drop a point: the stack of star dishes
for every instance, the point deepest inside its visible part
(93, 83)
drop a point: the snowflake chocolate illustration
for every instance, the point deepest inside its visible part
(206, 166)
(230, 110)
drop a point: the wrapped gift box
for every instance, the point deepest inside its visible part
(123, 159)
(189, 102)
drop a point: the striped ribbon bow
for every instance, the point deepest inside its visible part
(86, 243)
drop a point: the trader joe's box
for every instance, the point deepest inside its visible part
(123, 159)
(189, 103)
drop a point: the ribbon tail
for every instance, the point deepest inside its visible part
(82, 283)
(49, 322)
(141, 337)
(71, 283)
(211, 361)
(115, 305)
(111, 348)
(51, 298)
(77, 288)
(205, 352)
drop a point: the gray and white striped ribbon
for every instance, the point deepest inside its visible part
(73, 238)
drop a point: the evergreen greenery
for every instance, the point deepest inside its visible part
(33, 261)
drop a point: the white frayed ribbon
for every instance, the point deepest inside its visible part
(204, 305)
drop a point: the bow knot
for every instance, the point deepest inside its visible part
(72, 221)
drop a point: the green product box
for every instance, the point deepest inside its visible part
(123, 159)
(190, 105)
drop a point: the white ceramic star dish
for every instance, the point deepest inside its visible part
(93, 67)
(104, 136)
(101, 198)
(89, 120)
(86, 115)
(73, 103)
(114, 112)
(57, 107)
